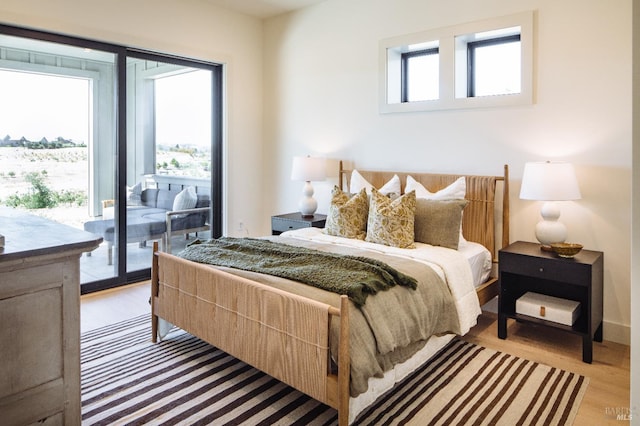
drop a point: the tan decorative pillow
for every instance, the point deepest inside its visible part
(347, 216)
(438, 222)
(391, 222)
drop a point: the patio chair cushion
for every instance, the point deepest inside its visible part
(186, 199)
(148, 220)
(138, 228)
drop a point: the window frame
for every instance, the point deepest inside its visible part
(452, 42)
(471, 58)
(404, 68)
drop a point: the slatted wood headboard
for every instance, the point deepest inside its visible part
(486, 217)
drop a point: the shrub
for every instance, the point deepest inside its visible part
(38, 197)
(78, 198)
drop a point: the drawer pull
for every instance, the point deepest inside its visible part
(541, 269)
(542, 311)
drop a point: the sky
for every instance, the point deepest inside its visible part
(37, 105)
(183, 109)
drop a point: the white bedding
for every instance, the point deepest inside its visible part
(477, 255)
(452, 265)
(479, 259)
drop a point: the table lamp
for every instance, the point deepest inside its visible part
(308, 169)
(549, 181)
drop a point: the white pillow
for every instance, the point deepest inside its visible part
(357, 183)
(186, 199)
(137, 188)
(456, 191)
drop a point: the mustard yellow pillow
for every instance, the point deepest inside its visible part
(347, 216)
(391, 222)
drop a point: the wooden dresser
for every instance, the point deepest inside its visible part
(40, 320)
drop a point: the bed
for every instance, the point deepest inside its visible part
(302, 337)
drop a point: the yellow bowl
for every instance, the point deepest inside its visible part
(567, 250)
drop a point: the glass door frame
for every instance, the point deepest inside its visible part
(121, 276)
(215, 216)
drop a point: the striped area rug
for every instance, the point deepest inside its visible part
(126, 379)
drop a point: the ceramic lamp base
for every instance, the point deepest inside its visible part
(307, 205)
(549, 230)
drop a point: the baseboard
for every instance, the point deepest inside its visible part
(618, 333)
(612, 332)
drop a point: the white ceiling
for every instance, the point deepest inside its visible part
(263, 8)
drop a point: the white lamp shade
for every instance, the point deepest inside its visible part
(549, 181)
(308, 169)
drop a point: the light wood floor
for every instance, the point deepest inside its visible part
(609, 374)
(114, 305)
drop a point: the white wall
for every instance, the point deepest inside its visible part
(189, 28)
(321, 86)
(635, 248)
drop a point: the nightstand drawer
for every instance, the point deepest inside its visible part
(291, 221)
(564, 270)
(282, 225)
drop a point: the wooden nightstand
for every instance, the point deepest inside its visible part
(289, 221)
(524, 267)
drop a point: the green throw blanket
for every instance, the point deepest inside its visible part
(354, 276)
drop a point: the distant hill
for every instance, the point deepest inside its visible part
(43, 143)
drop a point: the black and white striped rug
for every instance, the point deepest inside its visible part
(126, 379)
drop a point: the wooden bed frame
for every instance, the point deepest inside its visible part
(286, 335)
(482, 222)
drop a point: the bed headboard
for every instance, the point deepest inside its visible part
(486, 217)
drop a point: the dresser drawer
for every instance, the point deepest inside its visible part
(31, 280)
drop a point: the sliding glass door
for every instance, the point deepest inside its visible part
(59, 130)
(169, 155)
(104, 138)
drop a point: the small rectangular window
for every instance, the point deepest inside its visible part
(488, 63)
(494, 66)
(420, 80)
